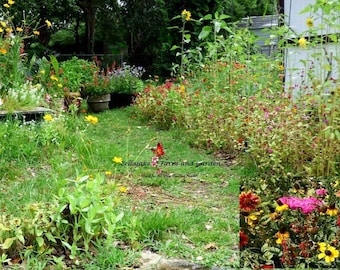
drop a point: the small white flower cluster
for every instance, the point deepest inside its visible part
(26, 94)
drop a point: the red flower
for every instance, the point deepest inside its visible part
(248, 201)
(338, 221)
(243, 239)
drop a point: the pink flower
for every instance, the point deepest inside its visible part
(306, 205)
(321, 192)
(154, 161)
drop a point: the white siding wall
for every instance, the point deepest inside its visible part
(297, 60)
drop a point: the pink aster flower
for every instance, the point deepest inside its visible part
(306, 205)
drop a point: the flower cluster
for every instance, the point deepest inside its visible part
(298, 229)
(13, 70)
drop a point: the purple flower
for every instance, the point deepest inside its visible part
(306, 205)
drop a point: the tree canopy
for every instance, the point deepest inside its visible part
(138, 28)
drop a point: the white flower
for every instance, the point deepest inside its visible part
(1, 102)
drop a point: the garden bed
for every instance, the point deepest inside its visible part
(33, 114)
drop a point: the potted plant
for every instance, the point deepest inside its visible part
(125, 83)
(97, 92)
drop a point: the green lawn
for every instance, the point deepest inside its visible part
(186, 207)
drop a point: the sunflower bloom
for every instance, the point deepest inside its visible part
(91, 119)
(249, 201)
(302, 42)
(309, 22)
(117, 160)
(328, 252)
(186, 15)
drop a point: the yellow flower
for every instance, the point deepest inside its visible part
(281, 67)
(123, 189)
(48, 117)
(118, 160)
(3, 24)
(328, 252)
(60, 85)
(182, 88)
(332, 211)
(282, 208)
(108, 173)
(37, 33)
(302, 42)
(19, 29)
(252, 219)
(6, 5)
(54, 78)
(281, 236)
(91, 119)
(48, 23)
(1, 30)
(3, 51)
(42, 71)
(186, 15)
(9, 30)
(11, 2)
(309, 22)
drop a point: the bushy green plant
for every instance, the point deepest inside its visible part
(86, 212)
(76, 73)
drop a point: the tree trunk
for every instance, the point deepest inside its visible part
(89, 7)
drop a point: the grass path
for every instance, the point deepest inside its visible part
(186, 208)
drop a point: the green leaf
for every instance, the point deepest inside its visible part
(175, 47)
(40, 241)
(224, 16)
(207, 17)
(8, 243)
(217, 26)
(187, 37)
(50, 237)
(206, 30)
